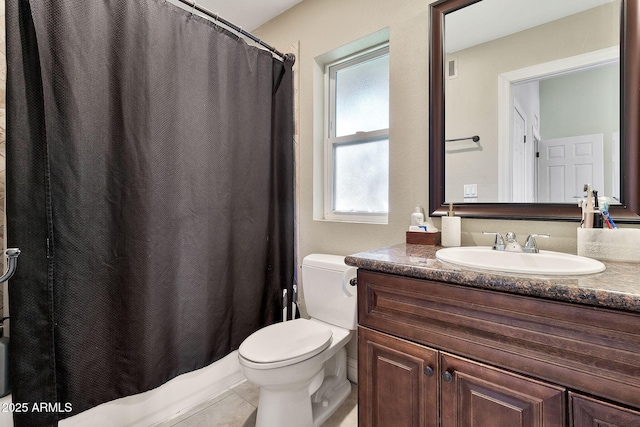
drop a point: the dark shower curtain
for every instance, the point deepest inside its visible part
(150, 189)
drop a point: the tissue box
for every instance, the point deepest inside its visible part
(622, 244)
(418, 238)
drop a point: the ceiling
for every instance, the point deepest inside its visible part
(489, 20)
(247, 14)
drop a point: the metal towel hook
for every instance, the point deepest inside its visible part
(12, 258)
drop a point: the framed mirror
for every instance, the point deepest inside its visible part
(530, 102)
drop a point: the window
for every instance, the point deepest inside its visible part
(357, 143)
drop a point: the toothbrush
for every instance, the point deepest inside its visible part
(609, 220)
(606, 221)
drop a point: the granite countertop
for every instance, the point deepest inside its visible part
(618, 287)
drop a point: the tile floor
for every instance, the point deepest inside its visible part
(237, 408)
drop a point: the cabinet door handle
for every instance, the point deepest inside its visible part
(447, 376)
(428, 371)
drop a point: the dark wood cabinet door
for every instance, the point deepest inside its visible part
(588, 412)
(397, 382)
(477, 395)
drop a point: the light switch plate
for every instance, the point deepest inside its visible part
(470, 190)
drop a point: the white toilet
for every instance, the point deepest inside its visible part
(301, 365)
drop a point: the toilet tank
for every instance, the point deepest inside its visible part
(327, 290)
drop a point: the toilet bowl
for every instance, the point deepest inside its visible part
(301, 365)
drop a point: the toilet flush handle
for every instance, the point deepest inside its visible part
(348, 281)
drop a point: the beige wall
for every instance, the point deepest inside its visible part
(321, 26)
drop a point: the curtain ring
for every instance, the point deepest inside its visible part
(193, 7)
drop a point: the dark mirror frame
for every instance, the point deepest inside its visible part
(628, 212)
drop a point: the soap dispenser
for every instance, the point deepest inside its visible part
(417, 217)
(451, 228)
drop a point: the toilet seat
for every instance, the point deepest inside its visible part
(285, 343)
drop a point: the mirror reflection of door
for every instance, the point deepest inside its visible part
(566, 164)
(518, 148)
(574, 102)
(569, 104)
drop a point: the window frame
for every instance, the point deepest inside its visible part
(331, 141)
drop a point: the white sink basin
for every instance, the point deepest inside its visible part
(545, 262)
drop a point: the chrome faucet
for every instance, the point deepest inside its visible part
(510, 244)
(498, 244)
(530, 246)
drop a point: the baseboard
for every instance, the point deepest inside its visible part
(166, 402)
(352, 370)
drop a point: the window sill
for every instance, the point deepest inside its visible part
(356, 219)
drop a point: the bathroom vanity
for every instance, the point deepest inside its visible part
(445, 346)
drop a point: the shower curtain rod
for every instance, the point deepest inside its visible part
(193, 4)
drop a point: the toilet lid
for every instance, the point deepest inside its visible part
(298, 339)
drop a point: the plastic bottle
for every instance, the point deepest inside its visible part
(417, 217)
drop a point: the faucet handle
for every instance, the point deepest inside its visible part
(530, 246)
(498, 244)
